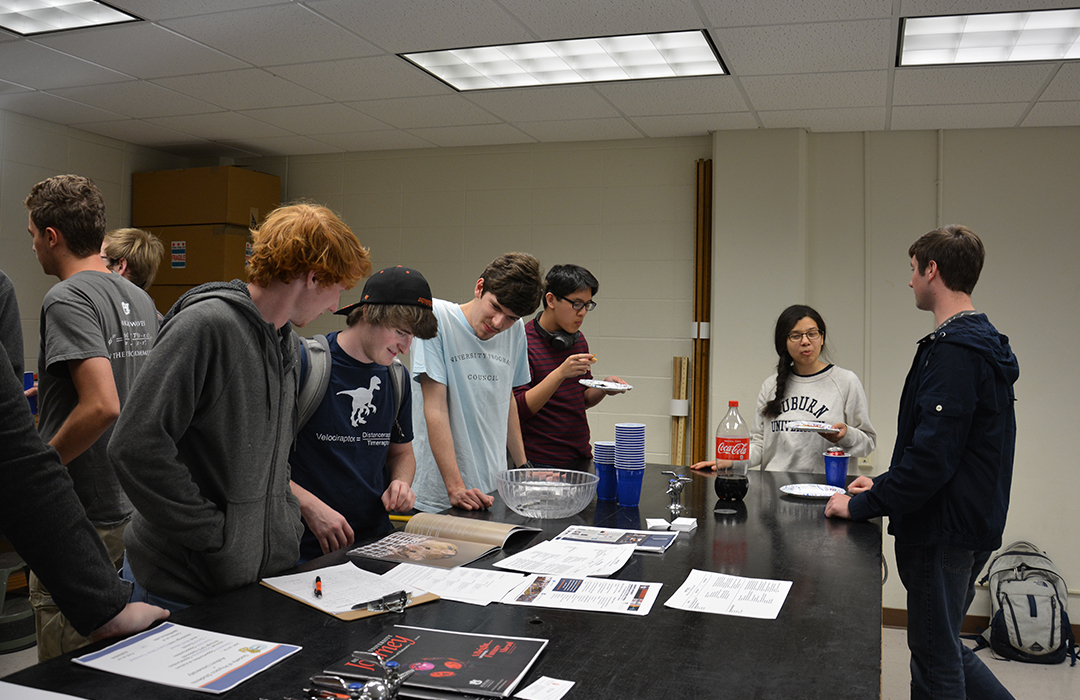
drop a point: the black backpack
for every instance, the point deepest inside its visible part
(315, 377)
(1029, 607)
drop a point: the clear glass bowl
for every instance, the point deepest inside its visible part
(546, 493)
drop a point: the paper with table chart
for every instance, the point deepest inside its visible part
(465, 585)
(10, 691)
(706, 591)
(591, 594)
(563, 557)
(186, 657)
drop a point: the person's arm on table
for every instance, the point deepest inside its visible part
(329, 526)
(514, 442)
(441, 441)
(401, 466)
(98, 407)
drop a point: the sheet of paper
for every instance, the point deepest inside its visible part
(544, 688)
(643, 540)
(561, 557)
(465, 585)
(343, 586)
(592, 594)
(185, 657)
(706, 591)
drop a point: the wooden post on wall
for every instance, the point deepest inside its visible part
(699, 404)
(680, 390)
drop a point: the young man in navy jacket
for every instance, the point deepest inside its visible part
(947, 491)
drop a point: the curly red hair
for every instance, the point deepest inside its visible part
(299, 238)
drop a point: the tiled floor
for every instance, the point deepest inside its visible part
(1023, 680)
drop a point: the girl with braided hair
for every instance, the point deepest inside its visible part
(806, 388)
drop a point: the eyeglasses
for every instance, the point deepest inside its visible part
(578, 304)
(812, 334)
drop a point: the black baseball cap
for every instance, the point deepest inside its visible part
(398, 285)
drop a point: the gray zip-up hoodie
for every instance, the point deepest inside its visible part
(202, 449)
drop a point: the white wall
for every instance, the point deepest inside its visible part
(622, 209)
(32, 150)
(826, 219)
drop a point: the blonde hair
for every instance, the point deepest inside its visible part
(299, 238)
(141, 250)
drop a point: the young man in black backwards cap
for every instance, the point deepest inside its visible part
(353, 463)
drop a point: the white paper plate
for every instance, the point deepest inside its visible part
(811, 426)
(810, 490)
(606, 386)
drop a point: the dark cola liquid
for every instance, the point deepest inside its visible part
(731, 488)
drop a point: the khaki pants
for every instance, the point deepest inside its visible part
(55, 635)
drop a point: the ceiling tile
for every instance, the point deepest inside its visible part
(311, 37)
(581, 130)
(242, 89)
(45, 106)
(826, 120)
(967, 116)
(332, 118)
(911, 8)
(400, 26)
(364, 78)
(1053, 114)
(564, 19)
(737, 14)
(679, 96)
(145, 50)
(807, 48)
(817, 90)
(223, 126)
(433, 111)
(156, 9)
(282, 146)
(693, 124)
(1065, 85)
(134, 131)
(137, 98)
(544, 103)
(968, 84)
(373, 141)
(39, 67)
(482, 135)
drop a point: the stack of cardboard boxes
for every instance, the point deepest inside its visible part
(203, 216)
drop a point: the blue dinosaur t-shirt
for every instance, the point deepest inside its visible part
(340, 454)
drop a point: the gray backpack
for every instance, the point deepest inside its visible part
(315, 377)
(1029, 618)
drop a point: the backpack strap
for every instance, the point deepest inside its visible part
(314, 376)
(397, 382)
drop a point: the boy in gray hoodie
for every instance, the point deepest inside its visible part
(202, 449)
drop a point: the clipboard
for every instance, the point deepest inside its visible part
(341, 584)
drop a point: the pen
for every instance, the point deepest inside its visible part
(401, 518)
(318, 587)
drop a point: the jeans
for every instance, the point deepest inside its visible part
(940, 583)
(141, 595)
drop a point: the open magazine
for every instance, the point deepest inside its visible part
(441, 660)
(445, 541)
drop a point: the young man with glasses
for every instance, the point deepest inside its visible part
(552, 405)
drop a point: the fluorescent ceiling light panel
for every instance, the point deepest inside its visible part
(29, 17)
(1050, 35)
(602, 59)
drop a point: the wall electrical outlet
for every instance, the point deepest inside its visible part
(867, 462)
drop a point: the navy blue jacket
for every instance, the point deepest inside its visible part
(956, 434)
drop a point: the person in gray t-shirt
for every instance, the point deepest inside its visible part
(96, 330)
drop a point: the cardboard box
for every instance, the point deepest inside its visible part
(198, 254)
(223, 194)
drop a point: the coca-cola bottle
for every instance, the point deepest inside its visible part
(732, 446)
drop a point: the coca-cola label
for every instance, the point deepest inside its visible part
(734, 448)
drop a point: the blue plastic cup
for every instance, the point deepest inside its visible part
(836, 466)
(28, 383)
(629, 486)
(606, 488)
